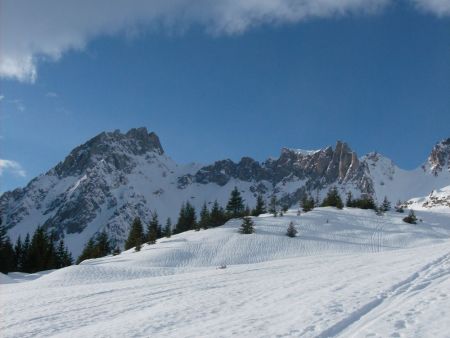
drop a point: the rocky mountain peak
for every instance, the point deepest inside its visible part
(439, 158)
(114, 148)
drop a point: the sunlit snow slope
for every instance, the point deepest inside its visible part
(348, 273)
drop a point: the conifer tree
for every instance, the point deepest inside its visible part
(411, 218)
(25, 257)
(38, 254)
(168, 228)
(291, 230)
(102, 245)
(247, 226)
(64, 257)
(7, 258)
(273, 205)
(205, 217)
(386, 205)
(88, 251)
(187, 218)
(136, 235)
(260, 207)
(235, 207)
(333, 199)
(18, 254)
(349, 201)
(217, 215)
(152, 229)
(307, 203)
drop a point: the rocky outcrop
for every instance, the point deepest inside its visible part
(439, 157)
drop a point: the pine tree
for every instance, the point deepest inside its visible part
(217, 215)
(25, 257)
(152, 229)
(333, 199)
(7, 257)
(349, 201)
(307, 203)
(411, 218)
(247, 226)
(291, 230)
(386, 205)
(260, 207)
(39, 248)
(187, 218)
(18, 254)
(88, 251)
(136, 235)
(102, 245)
(168, 228)
(64, 257)
(273, 205)
(235, 207)
(204, 217)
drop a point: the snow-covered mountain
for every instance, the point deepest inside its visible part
(106, 182)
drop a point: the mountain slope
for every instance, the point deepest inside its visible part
(114, 177)
(348, 273)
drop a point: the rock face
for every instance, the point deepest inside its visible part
(439, 157)
(114, 177)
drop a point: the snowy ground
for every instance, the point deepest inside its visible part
(349, 273)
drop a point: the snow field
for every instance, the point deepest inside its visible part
(349, 273)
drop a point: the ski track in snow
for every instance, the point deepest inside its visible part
(350, 273)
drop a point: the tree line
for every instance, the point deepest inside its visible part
(42, 251)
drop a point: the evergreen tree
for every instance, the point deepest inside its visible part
(25, 257)
(168, 228)
(386, 205)
(217, 215)
(18, 254)
(349, 201)
(260, 207)
(39, 250)
(307, 203)
(64, 257)
(88, 251)
(204, 217)
(291, 230)
(187, 218)
(136, 235)
(102, 245)
(247, 211)
(152, 229)
(399, 207)
(411, 218)
(333, 199)
(235, 207)
(273, 205)
(247, 226)
(7, 257)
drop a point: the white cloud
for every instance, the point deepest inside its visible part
(31, 31)
(11, 166)
(18, 104)
(437, 7)
(52, 95)
(2, 97)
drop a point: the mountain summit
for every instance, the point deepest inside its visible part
(114, 177)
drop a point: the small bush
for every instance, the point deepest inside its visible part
(411, 218)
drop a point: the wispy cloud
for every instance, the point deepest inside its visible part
(46, 29)
(2, 97)
(437, 7)
(18, 104)
(51, 95)
(12, 167)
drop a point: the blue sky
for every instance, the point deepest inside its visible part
(377, 78)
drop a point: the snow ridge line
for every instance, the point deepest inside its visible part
(407, 285)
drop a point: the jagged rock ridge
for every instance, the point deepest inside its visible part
(110, 179)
